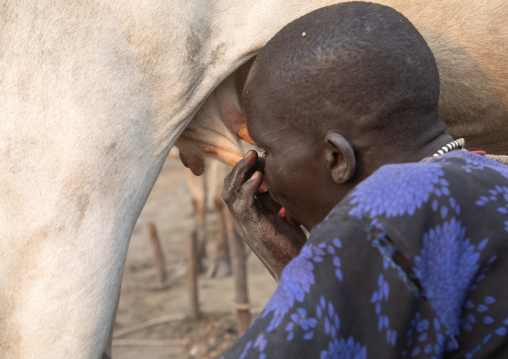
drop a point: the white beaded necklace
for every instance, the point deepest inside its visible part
(450, 146)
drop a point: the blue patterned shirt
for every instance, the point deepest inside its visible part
(409, 265)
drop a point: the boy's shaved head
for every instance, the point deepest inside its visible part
(335, 95)
(352, 67)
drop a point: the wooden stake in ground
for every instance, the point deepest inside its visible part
(193, 275)
(239, 264)
(157, 252)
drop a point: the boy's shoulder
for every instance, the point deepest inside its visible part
(401, 189)
(462, 195)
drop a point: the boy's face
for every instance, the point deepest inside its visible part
(294, 164)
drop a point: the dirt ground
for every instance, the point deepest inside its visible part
(169, 208)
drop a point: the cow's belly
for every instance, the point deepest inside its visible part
(469, 42)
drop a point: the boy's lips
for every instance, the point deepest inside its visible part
(282, 212)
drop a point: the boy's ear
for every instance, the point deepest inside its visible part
(340, 158)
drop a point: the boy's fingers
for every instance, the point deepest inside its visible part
(235, 180)
(229, 196)
(245, 198)
(264, 186)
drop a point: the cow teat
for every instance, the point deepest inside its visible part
(218, 126)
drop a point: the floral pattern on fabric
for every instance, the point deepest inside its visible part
(498, 194)
(379, 297)
(445, 268)
(299, 319)
(411, 264)
(296, 280)
(474, 162)
(414, 183)
(344, 349)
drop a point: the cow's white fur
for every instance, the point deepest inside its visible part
(94, 94)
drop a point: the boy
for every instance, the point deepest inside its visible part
(406, 252)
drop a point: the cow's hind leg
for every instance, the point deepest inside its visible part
(78, 161)
(221, 262)
(197, 191)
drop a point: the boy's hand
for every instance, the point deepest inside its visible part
(273, 239)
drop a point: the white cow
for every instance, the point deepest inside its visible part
(94, 94)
